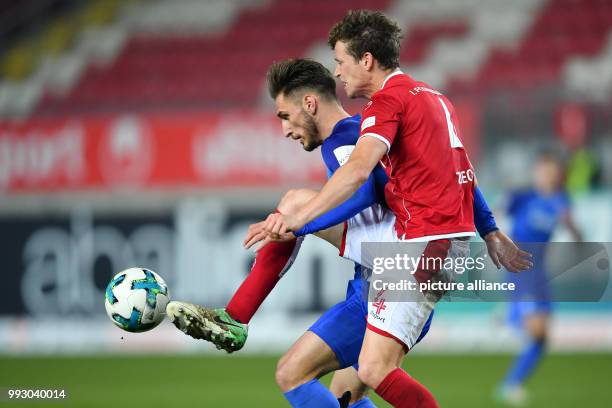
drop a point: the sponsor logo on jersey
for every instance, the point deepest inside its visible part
(343, 153)
(379, 305)
(368, 122)
(377, 317)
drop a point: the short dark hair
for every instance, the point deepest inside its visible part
(369, 31)
(288, 76)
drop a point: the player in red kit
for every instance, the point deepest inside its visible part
(304, 94)
(411, 130)
(431, 179)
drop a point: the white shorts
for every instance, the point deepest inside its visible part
(400, 320)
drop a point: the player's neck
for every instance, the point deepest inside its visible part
(330, 116)
(379, 77)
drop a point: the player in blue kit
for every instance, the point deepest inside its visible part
(536, 213)
(304, 93)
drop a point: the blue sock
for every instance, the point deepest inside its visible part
(365, 402)
(524, 363)
(312, 394)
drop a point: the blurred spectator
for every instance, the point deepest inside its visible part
(572, 128)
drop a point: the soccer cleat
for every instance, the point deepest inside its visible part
(511, 395)
(345, 400)
(213, 325)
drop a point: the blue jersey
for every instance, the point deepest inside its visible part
(336, 150)
(535, 216)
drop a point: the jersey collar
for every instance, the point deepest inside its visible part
(339, 126)
(391, 75)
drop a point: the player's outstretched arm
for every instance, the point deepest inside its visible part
(568, 220)
(502, 250)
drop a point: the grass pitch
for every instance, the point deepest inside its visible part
(457, 381)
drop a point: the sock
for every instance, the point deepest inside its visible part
(525, 363)
(403, 391)
(311, 394)
(365, 402)
(271, 262)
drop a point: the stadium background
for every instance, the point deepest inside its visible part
(140, 133)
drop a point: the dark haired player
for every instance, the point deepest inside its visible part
(411, 130)
(304, 93)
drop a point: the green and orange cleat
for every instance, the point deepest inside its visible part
(213, 325)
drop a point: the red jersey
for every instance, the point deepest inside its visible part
(431, 179)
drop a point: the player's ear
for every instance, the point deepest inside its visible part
(367, 60)
(310, 104)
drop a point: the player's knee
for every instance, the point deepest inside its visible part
(288, 203)
(294, 199)
(537, 328)
(288, 374)
(539, 335)
(372, 372)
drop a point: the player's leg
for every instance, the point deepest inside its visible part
(533, 318)
(398, 320)
(379, 368)
(227, 328)
(332, 342)
(272, 262)
(393, 328)
(536, 325)
(347, 380)
(299, 369)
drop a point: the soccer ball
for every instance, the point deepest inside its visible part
(136, 299)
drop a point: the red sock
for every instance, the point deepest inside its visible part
(403, 391)
(271, 263)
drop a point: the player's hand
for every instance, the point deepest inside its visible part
(256, 234)
(504, 252)
(276, 225)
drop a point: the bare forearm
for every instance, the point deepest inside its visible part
(575, 232)
(571, 226)
(343, 184)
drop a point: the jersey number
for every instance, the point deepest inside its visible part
(452, 132)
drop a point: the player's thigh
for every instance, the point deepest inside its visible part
(294, 199)
(348, 380)
(374, 224)
(309, 357)
(333, 235)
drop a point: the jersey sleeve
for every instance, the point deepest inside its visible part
(483, 216)
(381, 118)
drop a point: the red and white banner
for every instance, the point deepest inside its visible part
(243, 149)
